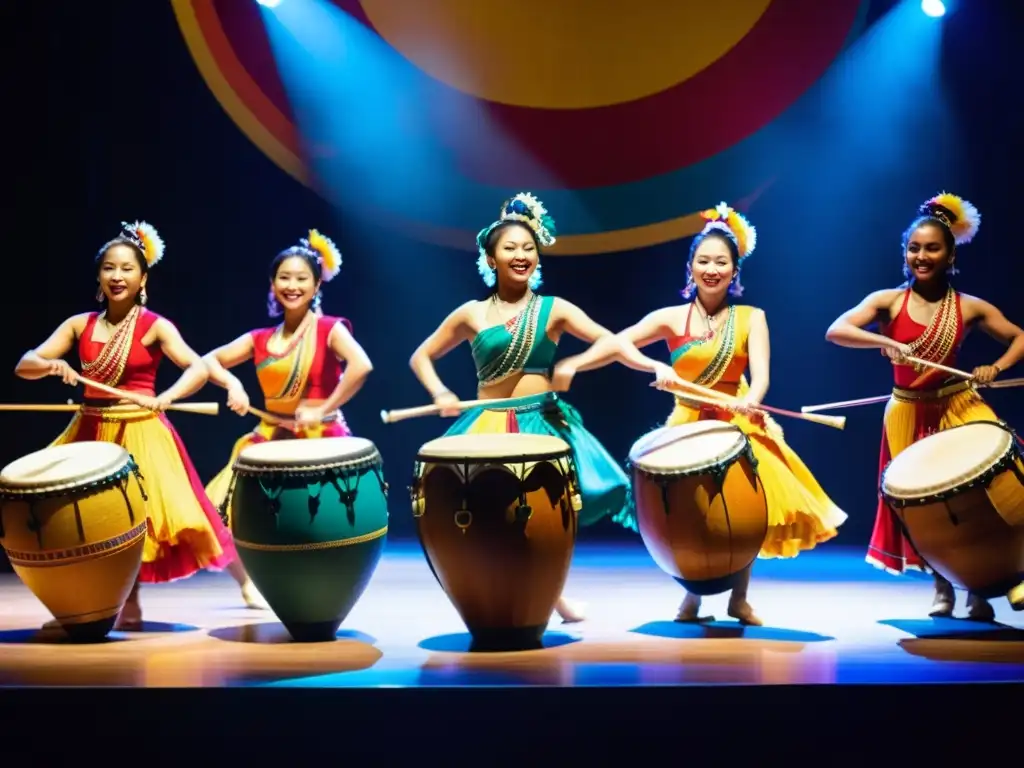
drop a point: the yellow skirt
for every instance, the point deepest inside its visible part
(906, 421)
(185, 531)
(800, 513)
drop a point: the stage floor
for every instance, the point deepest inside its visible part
(830, 618)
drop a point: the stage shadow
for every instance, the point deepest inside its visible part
(726, 630)
(274, 633)
(957, 629)
(39, 636)
(462, 643)
(265, 652)
(960, 640)
(158, 627)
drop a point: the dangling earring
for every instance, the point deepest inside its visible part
(143, 298)
(99, 295)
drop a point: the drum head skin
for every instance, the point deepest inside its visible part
(321, 452)
(943, 461)
(64, 466)
(687, 447)
(499, 446)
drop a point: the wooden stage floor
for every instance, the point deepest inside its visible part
(830, 619)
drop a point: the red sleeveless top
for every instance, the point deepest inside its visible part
(906, 331)
(325, 369)
(141, 363)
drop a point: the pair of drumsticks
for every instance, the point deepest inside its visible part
(964, 375)
(689, 391)
(706, 396)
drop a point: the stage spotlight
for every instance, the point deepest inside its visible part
(934, 8)
(275, 3)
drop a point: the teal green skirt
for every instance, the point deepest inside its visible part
(604, 487)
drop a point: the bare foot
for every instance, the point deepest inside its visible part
(945, 600)
(743, 613)
(253, 598)
(570, 612)
(130, 618)
(689, 611)
(979, 609)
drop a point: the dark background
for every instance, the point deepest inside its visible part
(129, 130)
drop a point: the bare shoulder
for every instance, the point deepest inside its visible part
(973, 307)
(884, 298)
(78, 322)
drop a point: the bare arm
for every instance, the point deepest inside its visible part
(38, 363)
(606, 347)
(357, 367)
(194, 375)
(848, 329)
(454, 330)
(228, 356)
(994, 323)
(759, 361)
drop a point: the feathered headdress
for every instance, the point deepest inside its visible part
(327, 252)
(725, 218)
(146, 238)
(528, 210)
(962, 218)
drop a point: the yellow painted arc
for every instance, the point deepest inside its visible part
(563, 54)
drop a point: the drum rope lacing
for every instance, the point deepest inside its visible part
(117, 478)
(1007, 461)
(463, 517)
(349, 469)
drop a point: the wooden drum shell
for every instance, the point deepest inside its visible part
(79, 550)
(502, 567)
(310, 536)
(705, 527)
(972, 535)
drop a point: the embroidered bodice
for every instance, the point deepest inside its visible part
(519, 346)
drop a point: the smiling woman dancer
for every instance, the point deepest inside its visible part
(514, 335)
(122, 347)
(712, 342)
(928, 319)
(299, 363)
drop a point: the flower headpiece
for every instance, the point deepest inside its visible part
(146, 238)
(962, 218)
(326, 252)
(724, 218)
(528, 210)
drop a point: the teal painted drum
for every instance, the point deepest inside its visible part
(310, 519)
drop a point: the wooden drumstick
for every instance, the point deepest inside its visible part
(1004, 384)
(269, 417)
(390, 417)
(205, 409)
(836, 422)
(938, 367)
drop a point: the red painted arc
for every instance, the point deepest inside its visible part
(765, 73)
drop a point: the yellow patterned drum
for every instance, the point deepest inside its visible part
(73, 523)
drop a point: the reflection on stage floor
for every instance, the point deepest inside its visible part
(829, 618)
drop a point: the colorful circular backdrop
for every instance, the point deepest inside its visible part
(625, 123)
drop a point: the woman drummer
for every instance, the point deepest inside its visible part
(122, 347)
(299, 363)
(712, 342)
(514, 334)
(927, 319)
